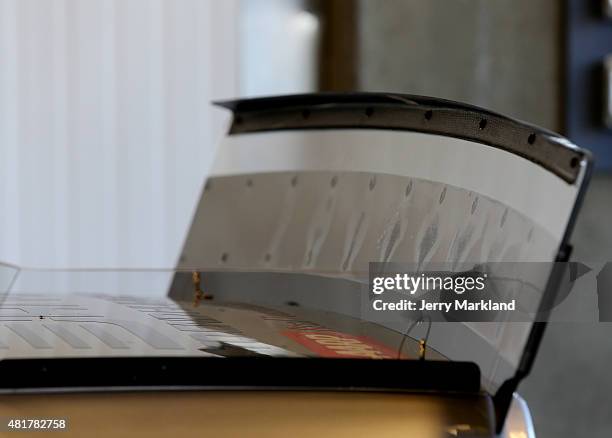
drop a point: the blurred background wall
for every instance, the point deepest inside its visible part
(502, 55)
(106, 128)
(278, 47)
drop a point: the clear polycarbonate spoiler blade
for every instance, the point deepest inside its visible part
(329, 183)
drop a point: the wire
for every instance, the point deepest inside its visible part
(422, 342)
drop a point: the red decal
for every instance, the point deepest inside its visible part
(336, 344)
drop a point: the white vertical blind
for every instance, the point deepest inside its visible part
(106, 128)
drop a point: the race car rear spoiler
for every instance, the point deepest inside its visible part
(399, 112)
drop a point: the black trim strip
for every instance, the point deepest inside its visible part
(412, 113)
(239, 373)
